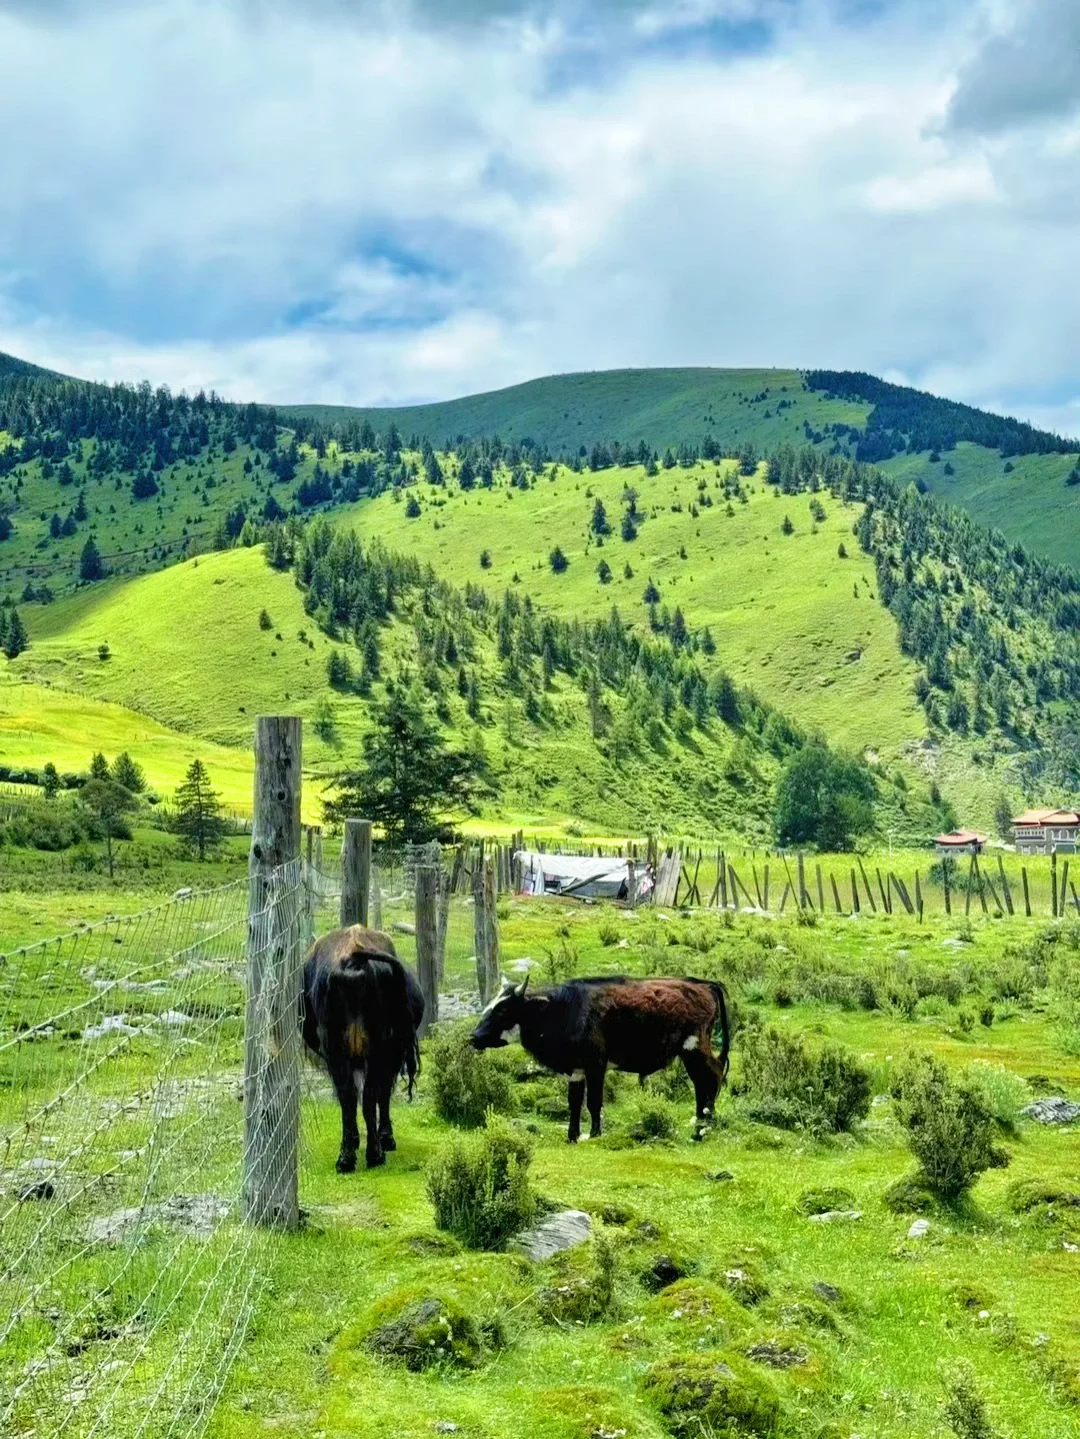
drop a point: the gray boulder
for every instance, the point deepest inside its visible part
(564, 1230)
(1053, 1110)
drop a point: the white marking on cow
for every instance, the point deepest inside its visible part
(508, 1034)
(578, 1077)
(691, 1042)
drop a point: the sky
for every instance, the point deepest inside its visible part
(372, 203)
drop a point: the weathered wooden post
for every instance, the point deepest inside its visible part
(480, 923)
(492, 956)
(631, 882)
(355, 871)
(274, 954)
(446, 889)
(1053, 883)
(427, 943)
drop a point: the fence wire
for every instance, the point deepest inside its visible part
(127, 1277)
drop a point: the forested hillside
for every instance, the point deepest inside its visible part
(627, 578)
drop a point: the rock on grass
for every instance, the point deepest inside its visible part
(428, 1332)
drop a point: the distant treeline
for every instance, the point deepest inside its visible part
(912, 420)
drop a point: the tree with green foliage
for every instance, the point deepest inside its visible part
(651, 595)
(823, 798)
(15, 638)
(412, 508)
(787, 527)
(129, 773)
(91, 566)
(109, 804)
(338, 670)
(603, 572)
(628, 529)
(50, 780)
(558, 561)
(1003, 817)
(599, 524)
(199, 820)
(410, 780)
(99, 767)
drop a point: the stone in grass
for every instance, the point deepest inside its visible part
(836, 1216)
(824, 1201)
(428, 1332)
(831, 1293)
(1053, 1110)
(197, 1214)
(708, 1393)
(563, 1230)
(919, 1230)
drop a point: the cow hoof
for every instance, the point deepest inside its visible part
(346, 1163)
(572, 1138)
(388, 1141)
(375, 1158)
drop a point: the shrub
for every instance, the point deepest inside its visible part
(480, 1186)
(950, 1129)
(1003, 1093)
(793, 1084)
(908, 1195)
(466, 1084)
(608, 933)
(965, 1408)
(656, 1120)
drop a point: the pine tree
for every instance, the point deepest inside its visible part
(603, 572)
(15, 637)
(129, 773)
(599, 522)
(50, 780)
(558, 561)
(651, 595)
(628, 530)
(198, 812)
(99, 767)
(90, 565)
(409, 778)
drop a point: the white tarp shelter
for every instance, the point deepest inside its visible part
(581, 876)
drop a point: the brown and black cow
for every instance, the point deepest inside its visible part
(361, 1010)
(639, 1025)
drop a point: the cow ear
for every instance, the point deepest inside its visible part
(508, 985)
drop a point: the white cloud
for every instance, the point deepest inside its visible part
(291, 203)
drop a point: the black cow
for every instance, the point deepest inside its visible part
(361, 1011)
(639, 1025)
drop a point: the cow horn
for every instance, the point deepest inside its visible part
(522, 987)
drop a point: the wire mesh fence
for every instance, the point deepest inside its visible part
(127, 1277)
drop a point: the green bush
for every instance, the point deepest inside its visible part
(965, 1408)
(427, 1332)
(950, 1129)
(480, 1187)
(656, 1120)
(793, 1083)
(465, 1083)
(1004, 1093)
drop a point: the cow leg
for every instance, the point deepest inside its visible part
(594, 1083)
(345, 1088)
(373, 1084)
(386, 1128)
(577, 1099)
(701, 1069)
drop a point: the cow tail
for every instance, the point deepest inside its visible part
(725, 1026)
(408, 1045)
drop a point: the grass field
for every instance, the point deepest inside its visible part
(988, 1283)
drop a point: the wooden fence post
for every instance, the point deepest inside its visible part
(492, 956)
(274, 956)
(1027, 892)
(1053, 883)
(480, 926)
(446, 889)
(355, 871)
(427, 943)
